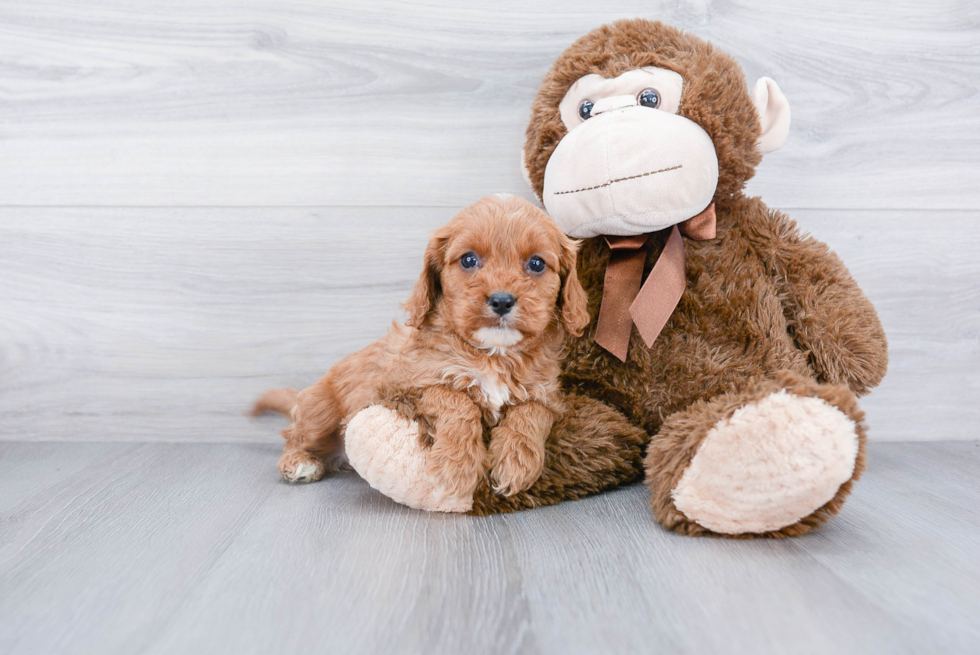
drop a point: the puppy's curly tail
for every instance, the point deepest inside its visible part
(277, 400)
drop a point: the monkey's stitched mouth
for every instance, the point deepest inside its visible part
(622, 179)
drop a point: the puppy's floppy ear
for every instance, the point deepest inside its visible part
(428, 288)
(573, 301)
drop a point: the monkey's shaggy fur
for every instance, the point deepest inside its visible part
(765, 309)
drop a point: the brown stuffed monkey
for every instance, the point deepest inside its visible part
(726, 350)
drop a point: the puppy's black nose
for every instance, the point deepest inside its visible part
(501, 303)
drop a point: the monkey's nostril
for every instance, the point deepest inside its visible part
(501, 303)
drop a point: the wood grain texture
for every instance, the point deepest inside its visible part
(180, 548)
(164, 324)
(214, 102)
(260, 178)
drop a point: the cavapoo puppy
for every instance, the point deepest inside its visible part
(482, 346)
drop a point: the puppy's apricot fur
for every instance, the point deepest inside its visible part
(466, 365)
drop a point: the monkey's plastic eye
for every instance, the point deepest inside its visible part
(585, 110)
(469, 260)
(536, 264)
(648, 98)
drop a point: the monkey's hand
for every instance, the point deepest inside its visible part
(829, 317)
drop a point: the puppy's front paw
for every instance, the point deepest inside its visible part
(298, 467)
(453, 472)
(515, 461)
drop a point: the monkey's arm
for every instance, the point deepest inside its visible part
(829, 317)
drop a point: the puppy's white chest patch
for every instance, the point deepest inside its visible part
(495, 392)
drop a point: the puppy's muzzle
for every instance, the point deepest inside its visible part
(501, 303)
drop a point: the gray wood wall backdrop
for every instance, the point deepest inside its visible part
(200, 199)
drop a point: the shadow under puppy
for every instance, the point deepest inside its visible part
(482, 347)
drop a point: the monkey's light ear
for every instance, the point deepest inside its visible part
(773, 109)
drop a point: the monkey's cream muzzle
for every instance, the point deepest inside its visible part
(629, 170)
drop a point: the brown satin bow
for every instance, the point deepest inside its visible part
(625, 303)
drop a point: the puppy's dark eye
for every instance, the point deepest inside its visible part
(585, 110)
(648, 98)
(536, 264)
(469, 260)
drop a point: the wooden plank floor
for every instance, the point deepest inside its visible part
(179, 548)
